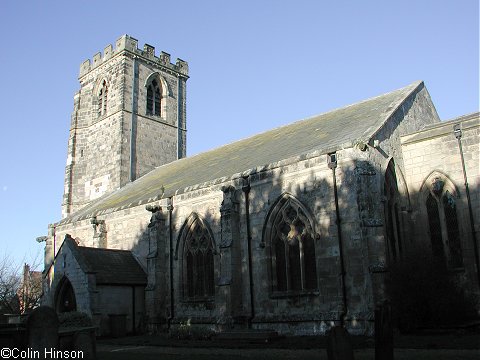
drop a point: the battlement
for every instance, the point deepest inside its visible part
(126, 42)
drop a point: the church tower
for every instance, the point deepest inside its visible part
(129, 117)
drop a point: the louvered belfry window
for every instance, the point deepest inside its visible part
(102, 99)
(293, 250)
(198, 274)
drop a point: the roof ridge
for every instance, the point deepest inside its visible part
(415, 85)
(312, 117)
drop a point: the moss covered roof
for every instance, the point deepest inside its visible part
(340, 128)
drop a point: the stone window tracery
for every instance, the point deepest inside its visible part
(292, 245)
(154, 98)
(443, 223)
(198, 265)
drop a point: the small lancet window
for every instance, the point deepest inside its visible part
(102, 99)
(154, 98)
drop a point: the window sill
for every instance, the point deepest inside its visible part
(157, 117)
(456, 270)
(291, 294)
(199, 300)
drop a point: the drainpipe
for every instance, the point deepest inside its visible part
(246, 190)
(179, 118)
(457, 130)
(133, 130)
(170, 240)
(133, 310)
(332, 164)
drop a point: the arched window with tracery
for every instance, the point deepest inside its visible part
(443, 221)
(392, 218)
(197, 260)
(290, 235)
(154, 98)
(102, 99)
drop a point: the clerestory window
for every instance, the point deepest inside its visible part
(291, 239)
(154, 98)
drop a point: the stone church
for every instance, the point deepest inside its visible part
(293, 229)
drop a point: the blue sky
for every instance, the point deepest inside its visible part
(254, 65)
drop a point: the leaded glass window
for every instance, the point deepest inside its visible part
(435, 227)
(198, 274)
(293, 249)
(453, 231)
(443, 222)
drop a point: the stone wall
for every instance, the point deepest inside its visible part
(307, 179)
(67, 267)
(108, 149)
(118, 300)
(241, 242)
(434, 154)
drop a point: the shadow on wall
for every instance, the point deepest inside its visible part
(388, 254)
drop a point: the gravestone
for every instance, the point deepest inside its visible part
(339, 345)
(84, 342)
(42, 330)
(383, 333)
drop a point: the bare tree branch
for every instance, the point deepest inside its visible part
(20, 286)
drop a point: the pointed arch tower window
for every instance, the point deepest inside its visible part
(197, 260)
(290, 235)
(154, 98)
(102, 99)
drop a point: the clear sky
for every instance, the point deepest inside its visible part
(254, 65)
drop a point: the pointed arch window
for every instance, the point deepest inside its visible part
(291, 240)
(198, 264)
(154, 98)
(443, 224)
(392, 216)
(102, 99)
(453, 231)
(434, 224)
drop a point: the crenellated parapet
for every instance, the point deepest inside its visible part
(130, 44)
